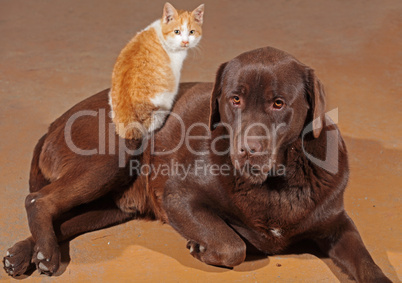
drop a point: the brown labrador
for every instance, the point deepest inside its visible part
(257, 164)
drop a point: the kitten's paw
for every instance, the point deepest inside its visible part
(18, 258)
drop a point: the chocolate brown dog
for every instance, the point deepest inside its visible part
(259, 164)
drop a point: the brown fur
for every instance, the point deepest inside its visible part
(220, 215)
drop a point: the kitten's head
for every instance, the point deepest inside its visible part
(181, 29)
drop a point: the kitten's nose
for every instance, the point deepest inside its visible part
(185, 43)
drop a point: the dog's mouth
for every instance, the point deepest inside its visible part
(255, 177)
(255, 173)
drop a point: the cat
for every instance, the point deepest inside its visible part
(146, 74)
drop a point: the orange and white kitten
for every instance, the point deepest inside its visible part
(147, 72)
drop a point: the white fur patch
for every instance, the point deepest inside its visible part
(173, 48)
(176, 63)
(184, 36)
(158, 118)
(111, 114)
(176, 54)
(164, 100)
(276, 232)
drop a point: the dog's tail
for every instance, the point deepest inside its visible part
(36, 179)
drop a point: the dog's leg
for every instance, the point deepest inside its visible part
(47, 204)
(210, 239)
(36, 179)
(345, 247)
(97, 215)
(18, 258)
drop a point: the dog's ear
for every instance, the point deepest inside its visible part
(214, 116)
(317, 102)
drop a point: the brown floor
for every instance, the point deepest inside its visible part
(55, 53)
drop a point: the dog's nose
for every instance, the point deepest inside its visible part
(250, 148)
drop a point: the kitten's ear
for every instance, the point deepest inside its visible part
(198, 14)
(169, 13)
(214, 116)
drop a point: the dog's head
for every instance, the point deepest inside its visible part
(264, 98)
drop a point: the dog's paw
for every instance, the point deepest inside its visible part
(18, 258)
(196, 250)
(46, 258)
(222, 255)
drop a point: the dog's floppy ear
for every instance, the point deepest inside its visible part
(214, 116)
(317, 101)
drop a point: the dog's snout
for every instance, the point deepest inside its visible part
(249, 148)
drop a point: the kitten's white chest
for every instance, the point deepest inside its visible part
(176, 63)
(166, 99)
(176, 56)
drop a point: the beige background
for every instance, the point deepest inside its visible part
(55, 53)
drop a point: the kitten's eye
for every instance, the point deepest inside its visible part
(176, 31)
(192, 32)
(278, 104)
(236, 100)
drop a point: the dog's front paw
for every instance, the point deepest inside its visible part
(46, 258)
(196, 250)
(223, 254)
(18, 258)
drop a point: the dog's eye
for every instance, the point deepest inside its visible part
(278, 104)
(236, 100)
(176, 31)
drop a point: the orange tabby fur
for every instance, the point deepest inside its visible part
(143, 71)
